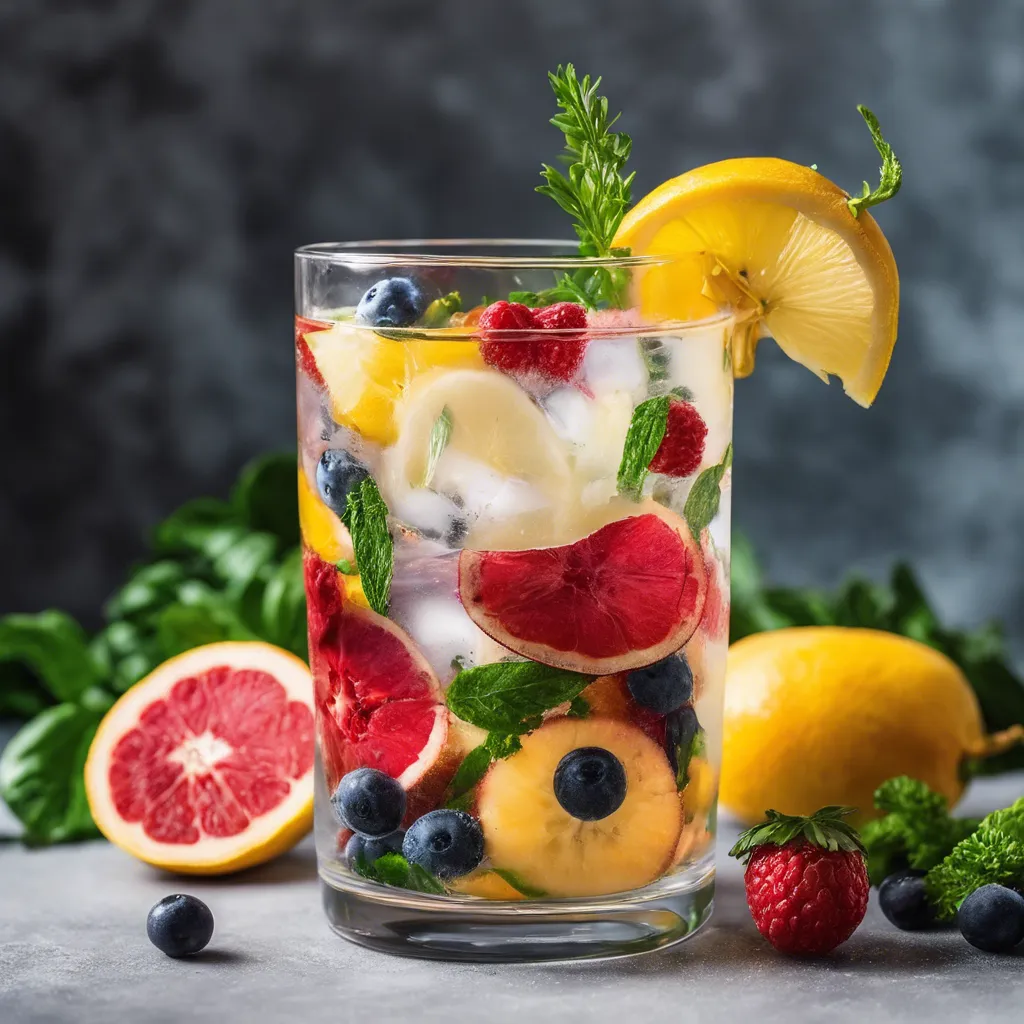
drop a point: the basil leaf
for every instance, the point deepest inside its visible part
(53, 648)
(644, 436)
(180, 627)
(190, 526)
(502, 696)
(21, 694)
(42, 774)
(266, 500)
(149, 587)
(283, 612)
(366, 516)
(705, 496)
(240, 563)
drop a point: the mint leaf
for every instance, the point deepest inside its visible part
(578, 708)
(472, 769)
(705, 496)
(644, 436)
(502, 744)
(394, 870)
(366, 516)
(502, 697)
(439, 312)
(891, 171)
(440, 435)
(529, 891)
(421, 880)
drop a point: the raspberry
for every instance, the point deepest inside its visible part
(534, 356)
(805, 899)
(682, 447)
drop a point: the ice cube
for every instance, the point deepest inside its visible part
(615, 364)
(596, 427)
(484, 492)
(434, 515)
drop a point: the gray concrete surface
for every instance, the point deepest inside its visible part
(73, 948)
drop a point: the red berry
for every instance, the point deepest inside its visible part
(806, 900)
(534, 356)
(682, 447)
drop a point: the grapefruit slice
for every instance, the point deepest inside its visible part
(621, 598)
(206, 765)
(378, 702)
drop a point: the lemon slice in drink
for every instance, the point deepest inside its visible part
(502, 470)
(776, 240)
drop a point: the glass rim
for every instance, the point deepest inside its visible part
(431, 252)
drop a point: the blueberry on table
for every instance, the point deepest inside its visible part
(393, 302)
(338, 473)
(359, 848)
(590, 783)
(180, 925)
(663, 686)
(446, 843)
(904, 901)
(369, 802)
(992, 918)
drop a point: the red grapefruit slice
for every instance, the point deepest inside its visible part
(623, 597)
(206, 765)
(378, 702)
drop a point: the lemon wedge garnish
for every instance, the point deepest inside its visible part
(778, 242)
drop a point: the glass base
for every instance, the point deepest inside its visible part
(483, 931)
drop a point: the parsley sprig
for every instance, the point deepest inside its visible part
(593, 190)
(891, 171)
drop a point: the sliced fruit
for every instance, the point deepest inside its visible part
(321, 529)
(621, 598)
(528, 832)
(778, 241)
(609, 697)
(487, 885)
(378, 702)
(365, 373)
(700, 791)
(206, 765)
(694, 840)
(303, 354)
(503, 461)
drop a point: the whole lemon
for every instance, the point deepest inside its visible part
(823, 715)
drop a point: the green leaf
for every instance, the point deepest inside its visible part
(21, 693)
(266, 498)
(180, 627)
(394, 870)
(149, 587)
(517, 883)
(53, 648)
(502, 744)
(891, 173)
(366, 516)
(439, 312)
(503, 695)
(189, 528)
(42, 774)
(440, 435)
(472, 769)
(644, 436)
(578, 708)
(421, 880)
(284, 606)
(239, 564)
(705, 496)
(824, 828)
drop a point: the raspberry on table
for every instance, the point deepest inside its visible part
(682, 448)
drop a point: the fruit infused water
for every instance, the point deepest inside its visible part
(515, 522)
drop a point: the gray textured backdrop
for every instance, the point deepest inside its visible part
(159, 161)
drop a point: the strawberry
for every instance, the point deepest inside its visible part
(806, 880)
(533, 355)
(682, 447)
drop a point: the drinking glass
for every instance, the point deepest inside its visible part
(515, 519)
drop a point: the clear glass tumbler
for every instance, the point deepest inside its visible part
(514, 488)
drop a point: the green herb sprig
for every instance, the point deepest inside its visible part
(890, 174)
(594, 191)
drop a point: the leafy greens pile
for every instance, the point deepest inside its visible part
(219, 570)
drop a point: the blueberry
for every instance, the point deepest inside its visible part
(681, 731)
(904, 901)
(992, 918)
(393, 302)
(590, 783)
(180, 925)
(663, 686)
(446, 843)
(368, 850)
(369, 802)
(337, 473)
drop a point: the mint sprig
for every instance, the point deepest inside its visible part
(593, 191)
(508, 697)
(366, 516)
(706, 495)
(891, 172)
